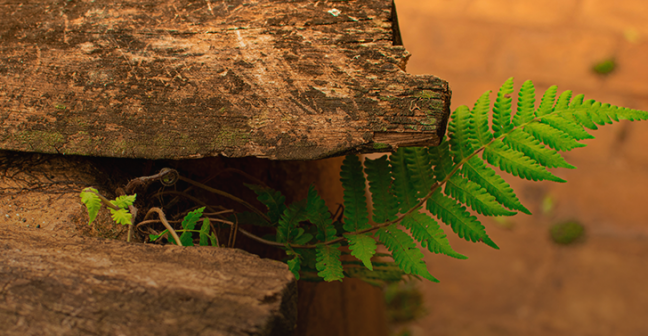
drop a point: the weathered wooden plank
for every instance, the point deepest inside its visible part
(60, 284)
(187, 79)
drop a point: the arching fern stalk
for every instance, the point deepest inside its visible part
(445, 180)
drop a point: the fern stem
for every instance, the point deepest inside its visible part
(222, 193)
(164, 222)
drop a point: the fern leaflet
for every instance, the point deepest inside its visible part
(475, 170)
(385, 204)
(289, 230)
(426, 230)
(362, 247)
(328, 262)
(406, 255)
(403, 186)
(318, 214)
(462, 223)
(272, 199)
(419, 165)
(502, 109)
(355, 202)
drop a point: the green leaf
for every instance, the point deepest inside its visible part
(272, 199)
(385, 204)
(441, 160)
(328, 264)
(502, 109)
(475, 196)
(319, 215)
(476, 171)
(567, 126)
(428, 232)
(213, 239)
(525, 104)
(516, 163)
(153, 237)
(462, 223)
(124, 201)
(547, 102)
(204, 233)
(121, 216)
(189, 221)
(403, 185)
(481, 135)
(563, 101)
(403, 249)
(552, 137)
(420, 169)
(355, 202)
(362, 247)
(460, 134)
(294, 264)
(289, 222)
(529, 146)
(92, 202)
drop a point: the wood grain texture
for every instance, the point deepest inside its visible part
(59, 284)
(189, 79)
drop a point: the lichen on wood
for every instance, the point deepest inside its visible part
(185, 79)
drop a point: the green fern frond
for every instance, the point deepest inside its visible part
(502, 109)
(567, 126)
(406, 255)
(547, 102)
(428, 232)
(272, 199)
(328, 263)
(441, 160)
(92, 202)
(355, 202)
(385, 204)
(121, 216)
(476, 171)
(294, 264)
(516, 163)
(527, 144)
(525, 104)
(472, 194)
(563, 101)
(461, 221)
(552, 137)
(479, 121)
(459, 134)
(319, 214)
(420, 169)
(362, 247)
(189, 223)
(403, 186)
(288, 230)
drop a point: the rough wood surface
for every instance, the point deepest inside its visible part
(60, 284)
(187, 79)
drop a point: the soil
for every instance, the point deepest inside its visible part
(532, 286)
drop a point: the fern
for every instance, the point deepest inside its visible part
(403, 248)
(328, 262)
(272, 199)
(451, 181)
(317, 213)
(362, 247)
(355, 202)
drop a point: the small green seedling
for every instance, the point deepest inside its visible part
(118, 207)
(188, 225)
